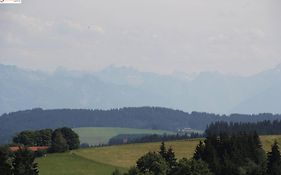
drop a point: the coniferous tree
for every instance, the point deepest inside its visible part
(169, 156)
(265, 127)
(163, 150)
(211, 155)
(274, 160)
(199, 151)
(23, 163)
(228, 167)
(235, 154)
(171, 161)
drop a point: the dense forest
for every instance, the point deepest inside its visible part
(265, 127)
(233, 154)
(142, 117)
(145, 138)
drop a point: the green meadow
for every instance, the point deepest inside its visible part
(104, 160)
(126, 155)
(71, 164)
(101, 135)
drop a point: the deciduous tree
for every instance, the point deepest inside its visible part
(23, 163)
(59, 144)
(5, 167)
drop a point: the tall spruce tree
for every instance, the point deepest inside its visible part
(163, 150)
(199, 151)
(169, 156)
(274, 160)
(171, 161)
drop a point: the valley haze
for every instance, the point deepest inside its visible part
(78, 78)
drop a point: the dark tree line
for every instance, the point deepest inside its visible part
(19, 163)
(265, 127)
(145, 138)
(233, 154)
(59, 140)
(142, 117)
(238, 154)
(34, 138)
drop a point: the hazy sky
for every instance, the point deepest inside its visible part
(230, 36)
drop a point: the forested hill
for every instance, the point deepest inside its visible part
(142, 117)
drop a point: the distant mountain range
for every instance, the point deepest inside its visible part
(116, 87)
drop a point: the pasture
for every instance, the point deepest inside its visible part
(104, 160)
(71, 164)
(101, 135)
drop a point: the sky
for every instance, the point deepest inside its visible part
(230, 36)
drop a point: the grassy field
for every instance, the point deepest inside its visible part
(101, 135)
(103, 160)
(126, 155)
(71, 164)
(267, 141)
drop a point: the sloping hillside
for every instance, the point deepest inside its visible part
(102, 161)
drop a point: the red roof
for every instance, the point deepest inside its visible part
(31, 148)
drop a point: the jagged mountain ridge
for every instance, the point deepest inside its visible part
(116, 87)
